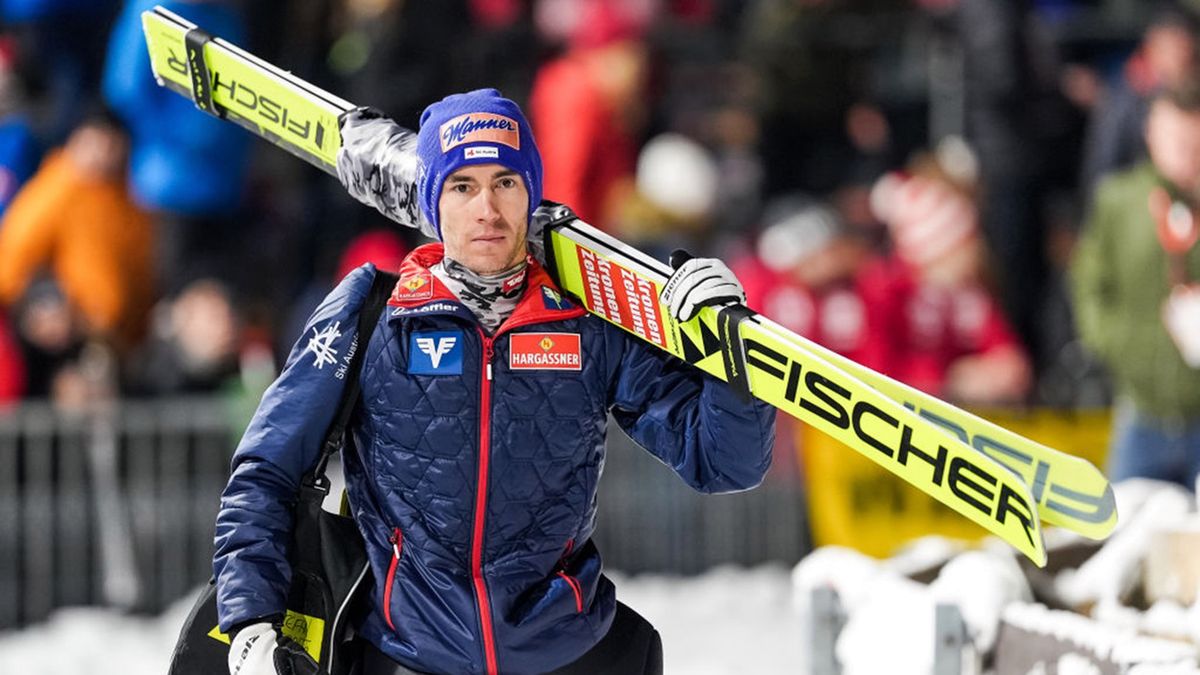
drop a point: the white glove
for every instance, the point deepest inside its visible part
(700, 282)
(258, 649)
(377, 164)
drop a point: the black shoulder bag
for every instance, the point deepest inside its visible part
(328, 558)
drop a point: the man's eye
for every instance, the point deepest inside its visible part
(508, 182)
(460, 188)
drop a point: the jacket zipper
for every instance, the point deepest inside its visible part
(571, 581)
(397, 540)
(481, 592)
(575, 588)
(485, 412)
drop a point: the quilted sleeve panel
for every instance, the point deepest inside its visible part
(690, 420)
(253, 529)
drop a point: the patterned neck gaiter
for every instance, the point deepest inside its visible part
(492, 297)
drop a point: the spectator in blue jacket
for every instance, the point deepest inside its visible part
(186, 166)
(20, 151)
(479, 438)
(63, 37)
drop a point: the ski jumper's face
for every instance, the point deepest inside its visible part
(484, 212)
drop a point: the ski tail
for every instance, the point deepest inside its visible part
(224, 80)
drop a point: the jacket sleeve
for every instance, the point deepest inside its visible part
(690, 420)
(377, 164)
(28, 232)
(127, 82)
(254, 524)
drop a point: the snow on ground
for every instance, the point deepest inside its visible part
(94, 641)
(728, 621)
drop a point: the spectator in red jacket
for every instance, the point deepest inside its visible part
(805, 276)
(585, 108)
(12, 365)
(941, 328)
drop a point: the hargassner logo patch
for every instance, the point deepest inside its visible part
(435, 353)
(544, 351)
(481, 152)
(479, 128)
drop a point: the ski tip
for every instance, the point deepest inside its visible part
(1086, 514)
(1039, 556)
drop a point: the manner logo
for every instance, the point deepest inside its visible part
(544, 351)
(436, 353)
(480, 128)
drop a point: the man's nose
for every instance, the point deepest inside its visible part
(486, 207)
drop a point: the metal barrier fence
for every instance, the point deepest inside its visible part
(117, 508)
(112, 507)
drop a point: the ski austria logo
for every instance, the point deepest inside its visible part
(481, 152)
(435, 353)
(544, 351)
(479, 128)
(321, 345)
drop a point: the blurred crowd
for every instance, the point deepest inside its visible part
(903, 181)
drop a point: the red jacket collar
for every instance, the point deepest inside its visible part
(418, 286)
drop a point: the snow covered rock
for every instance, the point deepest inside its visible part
(1032, 637)
(1110, 574)
(982, 584)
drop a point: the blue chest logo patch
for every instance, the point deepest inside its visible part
(435, 353)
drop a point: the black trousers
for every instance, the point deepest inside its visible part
(631, 647)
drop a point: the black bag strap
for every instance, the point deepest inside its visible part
(368, 316)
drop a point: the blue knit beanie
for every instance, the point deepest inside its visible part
(478, 127)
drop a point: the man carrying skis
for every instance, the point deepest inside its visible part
(479, 437)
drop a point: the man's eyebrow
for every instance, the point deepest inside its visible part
(463, 178)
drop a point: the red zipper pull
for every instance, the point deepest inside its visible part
(396, 538)
(487, 357)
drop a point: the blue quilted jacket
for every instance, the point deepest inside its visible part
(474, 467)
